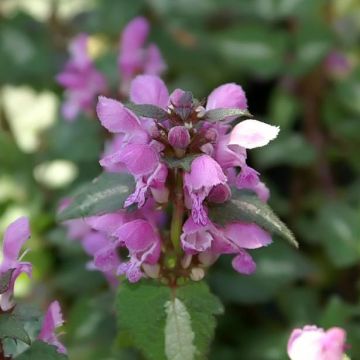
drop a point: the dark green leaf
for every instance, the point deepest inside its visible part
(220, 114)
(40, 350)
(192, 305)
(246, 206)
(148, 110)
(183, 163)
(277, 266)
(5, 280)
(106, 193)
(12, 327)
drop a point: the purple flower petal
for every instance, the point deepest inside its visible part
(253, 133)
(137, 235)
(227, 96)
(248, 236)
(195, 238)
(205, 174)
(149, 89)
(154, 62)
(116, 118)
(53, 319)
(14, 238)
(244, 263)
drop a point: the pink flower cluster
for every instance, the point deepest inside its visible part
(142, 145)
(15, 236)
(219, 162)
(83, 82)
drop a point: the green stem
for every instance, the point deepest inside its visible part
(178, 211)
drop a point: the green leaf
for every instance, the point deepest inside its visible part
(338, 224)
(169, 319)
(292, 149)
(220, 114)
(246, 206)
(106, 193)
(12, 327)
(179, 336)
(148, 110)
(5, 280)
(277, 266)
(252, 48)
(183, 163)
(40, 350)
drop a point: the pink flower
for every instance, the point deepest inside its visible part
(14, 238)
(229, 95)
(313, 343)
(252, 134)
(80, 79)
(136, 58)
(143, 244)
(204, 175)
(52, 320)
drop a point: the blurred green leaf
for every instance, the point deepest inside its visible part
(106, 193)
(40, 350)
(284, 108)
(252, 48)
(340, 228)
(292, 149)
(12, 327)
(277, 266)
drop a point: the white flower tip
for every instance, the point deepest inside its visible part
(253, 133)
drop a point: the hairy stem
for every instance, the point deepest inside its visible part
(178, 211)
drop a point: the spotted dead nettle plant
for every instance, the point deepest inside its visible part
(176, 194)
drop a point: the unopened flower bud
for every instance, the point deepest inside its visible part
(197, 274)
(219, 193)
(152, 271)
(186, 261)
(179, 137)
(212, 135)
(200, 111)
(207, 258)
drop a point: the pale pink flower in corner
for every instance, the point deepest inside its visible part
(52, 320)
(313, 343)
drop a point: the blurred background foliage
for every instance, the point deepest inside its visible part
(298, 61)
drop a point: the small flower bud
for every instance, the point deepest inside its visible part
(152, 271)
(200, 111)
(197, 274)
(179, 137)
(212, 135)
(207, 258)
(186, 261)
(219, 194)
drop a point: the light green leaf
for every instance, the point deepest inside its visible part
(12, 327)
(153, 327)
(220, 114)
(179, 336)
(246, 206)
(40, 350)
(148, 110)
(106, 193)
